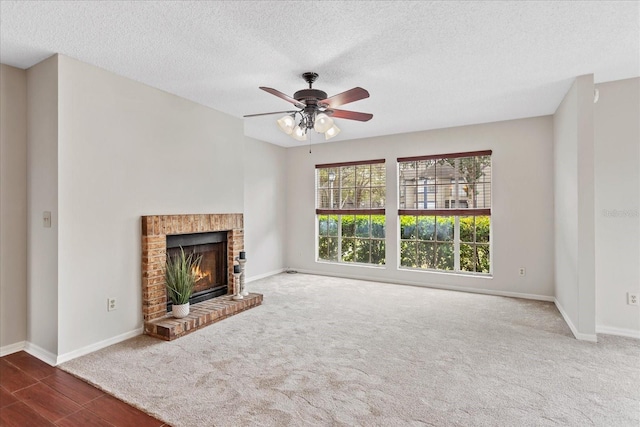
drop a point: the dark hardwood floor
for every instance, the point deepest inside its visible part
(33, 393)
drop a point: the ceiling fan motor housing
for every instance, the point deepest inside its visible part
(310, 98)
(305, 95)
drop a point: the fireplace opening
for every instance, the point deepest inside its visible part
(212, 275)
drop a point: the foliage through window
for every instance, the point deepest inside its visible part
(445, 212)
(351, 238)
(427, 242)
(474, 243)
(350, 200)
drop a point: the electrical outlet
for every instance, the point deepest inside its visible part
(111, 304)
(632, 299)
(522, 271)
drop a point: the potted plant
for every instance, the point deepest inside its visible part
(180, 279)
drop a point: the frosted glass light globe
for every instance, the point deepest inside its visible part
(323, 123)
(333, 131)
(286, 124)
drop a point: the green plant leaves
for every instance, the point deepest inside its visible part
(180, 276)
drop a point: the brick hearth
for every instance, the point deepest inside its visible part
(155, 229)
(200, 315)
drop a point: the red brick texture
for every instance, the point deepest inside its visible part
(155, 229)
(202, 314)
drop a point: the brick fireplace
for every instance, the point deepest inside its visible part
(155, 230)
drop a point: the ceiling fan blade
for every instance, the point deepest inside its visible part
(351, 115)
(355, 94)
(266, 114)
(283, 96)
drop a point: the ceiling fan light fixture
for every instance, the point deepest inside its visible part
(331, 132)
(286, 124)
(299, 134)
(322, 123)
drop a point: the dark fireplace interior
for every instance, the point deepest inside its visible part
(212, 275)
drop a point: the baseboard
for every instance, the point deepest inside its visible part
(264, 275)
(98, 346)
(435, 286)
(12, 348)
(621, 332)
(40, 353)
(574, 330)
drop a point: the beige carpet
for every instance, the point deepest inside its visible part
(327, 351)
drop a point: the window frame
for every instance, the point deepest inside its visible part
(352, 211)
(457, 213)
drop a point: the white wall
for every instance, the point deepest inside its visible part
(13, 207)
(127, 150)
(574, 208)
(522, 211)
(265, 184)
(42, 195)
(617, 202)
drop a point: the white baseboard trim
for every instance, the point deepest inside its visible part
(435, 286)
(40, 353)
(574, 330)
(6, 350)
(264, 275)
(99, 345)
(621, 332)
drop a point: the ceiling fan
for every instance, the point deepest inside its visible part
(315, 110)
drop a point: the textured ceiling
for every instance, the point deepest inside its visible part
(426, 65)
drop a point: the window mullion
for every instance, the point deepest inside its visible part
(339, 205)
(339, 201)
(370, 226)
(339, 238)
(456, 166)
(456, 244)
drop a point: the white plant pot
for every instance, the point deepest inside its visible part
(180, 311)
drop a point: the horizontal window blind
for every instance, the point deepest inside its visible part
(446, 184)
(351, 188)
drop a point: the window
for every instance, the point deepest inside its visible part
(445, 212)
(350, 211)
